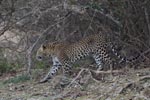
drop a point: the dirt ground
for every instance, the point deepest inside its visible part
(120, 85)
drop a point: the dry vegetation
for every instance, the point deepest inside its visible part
(25, 24)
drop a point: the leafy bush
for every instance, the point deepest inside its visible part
(5, 66)
(18, 79)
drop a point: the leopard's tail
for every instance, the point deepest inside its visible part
(123, 59)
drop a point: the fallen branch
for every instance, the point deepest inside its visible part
(144, 77)
(107, 72)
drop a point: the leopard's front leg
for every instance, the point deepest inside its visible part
(56, 66)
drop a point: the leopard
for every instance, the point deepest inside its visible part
(65, 54)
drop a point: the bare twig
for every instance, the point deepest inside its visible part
(76, 77)
(106, 18)
(91, 21)
(82, 9)
(147, 19)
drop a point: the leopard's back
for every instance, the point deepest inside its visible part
(86, 47)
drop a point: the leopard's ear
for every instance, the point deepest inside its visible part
(44, 46)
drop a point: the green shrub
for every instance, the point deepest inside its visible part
(17, 79)
(5, 66)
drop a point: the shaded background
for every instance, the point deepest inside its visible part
(26, 24)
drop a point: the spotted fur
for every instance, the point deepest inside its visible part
(63, 54)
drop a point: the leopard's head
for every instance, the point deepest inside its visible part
(46, 49)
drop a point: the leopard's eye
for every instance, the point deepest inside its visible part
(39, 57)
